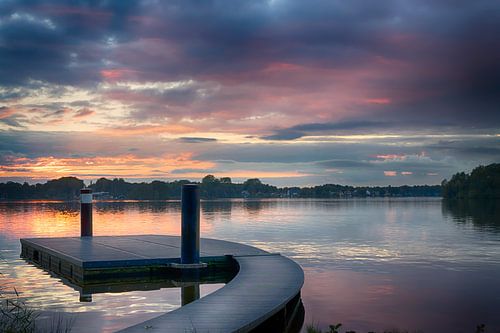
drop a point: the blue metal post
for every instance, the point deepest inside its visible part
(190, 242)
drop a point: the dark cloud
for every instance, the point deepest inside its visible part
(344, 164)
(83, 113)
(447, 53)
(60, 41)
(4, 111)
(284, 134)
(11, 121)
(475, 149)
(301, 130)
(298, 153)
(10, 117)
(410, 68)
(196, 140)
(191, 170)
(61, 144)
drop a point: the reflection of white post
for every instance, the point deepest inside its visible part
(85, 297)
(85, 212)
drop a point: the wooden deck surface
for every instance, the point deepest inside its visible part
(263, 286)
(123, 251)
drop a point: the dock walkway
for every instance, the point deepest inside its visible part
(266, 285)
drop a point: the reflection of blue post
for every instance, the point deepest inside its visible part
(85, 212)
(190, 293)
(190, 242)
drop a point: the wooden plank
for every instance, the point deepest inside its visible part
(263, 286)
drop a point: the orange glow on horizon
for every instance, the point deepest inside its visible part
(54, 221)
(145, 129)
(128, 166)
(246, 174)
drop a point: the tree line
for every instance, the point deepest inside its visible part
(68, 188)
(482, 183)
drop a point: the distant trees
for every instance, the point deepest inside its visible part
(255, 188)
(211, 187)
(482, 182)
(118, 188)
(65, 188)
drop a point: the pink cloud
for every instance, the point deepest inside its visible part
(391, 156)
(381, 101)
(6, 112)
(82, 113)
(390, 173)
(115, 74)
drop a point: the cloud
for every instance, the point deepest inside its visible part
(317, 88)
(388, 62)
(191, 170)
(196, 140)
(6, 112)
(476, 149)
(344, 164)
(10, 118)
(82, 113)
(301, 130)
(284, 134)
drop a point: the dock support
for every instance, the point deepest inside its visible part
(85, 297)
(190, 239)
(85, 212)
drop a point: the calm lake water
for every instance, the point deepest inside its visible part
(412, 264)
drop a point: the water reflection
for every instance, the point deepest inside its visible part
(372, 264)
(190, 293)
(482, 213)
(406, 300)
(254, 207)
(189, 290)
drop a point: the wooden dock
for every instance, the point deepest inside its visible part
(84, 260)
(264, 293)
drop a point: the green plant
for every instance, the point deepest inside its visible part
(15, 316)
(335, 328)
(315, 329)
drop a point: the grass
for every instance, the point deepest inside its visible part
(17, 317)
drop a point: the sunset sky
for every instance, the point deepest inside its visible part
(291, 92)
